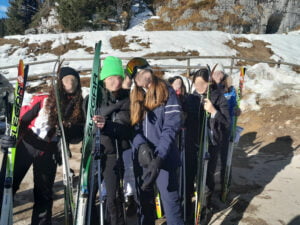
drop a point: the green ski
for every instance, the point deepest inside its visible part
(69, 206)
(13, 130)
(227, 176)
(86, 157)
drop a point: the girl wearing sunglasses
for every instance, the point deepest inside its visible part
(156, 114)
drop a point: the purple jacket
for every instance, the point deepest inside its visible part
(159, 128)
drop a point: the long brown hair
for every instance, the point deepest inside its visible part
(71, 106)
(141, 101)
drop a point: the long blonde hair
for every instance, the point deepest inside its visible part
(140, 101)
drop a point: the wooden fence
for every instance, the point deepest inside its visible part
(188, 67)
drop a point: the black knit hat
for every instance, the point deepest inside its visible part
(65, 71)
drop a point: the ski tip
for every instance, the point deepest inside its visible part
(20, 66)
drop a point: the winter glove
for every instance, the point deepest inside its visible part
(152, 173)
(57, 155)
(7, 141)
(145, 155)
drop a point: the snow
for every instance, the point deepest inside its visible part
(262, 82)
(245, 45)
(140, 14)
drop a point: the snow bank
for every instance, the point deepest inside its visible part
(263, 84)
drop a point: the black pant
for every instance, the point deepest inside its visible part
(214, 152)
(111, 172)
(167, 184)
(191, 170)
(44, 170)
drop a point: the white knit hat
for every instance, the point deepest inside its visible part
(219, 67)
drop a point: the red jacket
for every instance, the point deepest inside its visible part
(35, 117)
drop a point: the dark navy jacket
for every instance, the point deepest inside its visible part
(219, 125)
(159, 128)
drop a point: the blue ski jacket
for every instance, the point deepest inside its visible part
(232, 102)
(159, 128)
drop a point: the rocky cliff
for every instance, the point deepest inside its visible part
(235, 16)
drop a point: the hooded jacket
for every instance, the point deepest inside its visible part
(159, 129)
(117, 129)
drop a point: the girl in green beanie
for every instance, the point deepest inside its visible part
(114, 121)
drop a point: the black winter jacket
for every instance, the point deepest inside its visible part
(219, 125)
(117, 129)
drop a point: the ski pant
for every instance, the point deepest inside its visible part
(191, 172)
(44, 170)
(110, 171)
(129, 181)
(111, 175)
(167, 184)
(214, 151)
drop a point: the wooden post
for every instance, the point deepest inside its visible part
(231, 65)
(188, 71)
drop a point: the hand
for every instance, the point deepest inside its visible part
(7, 141)
(67, 124)
(58, 131)
(152, 173)
(209, 107)
(237, 112)
(99, 121)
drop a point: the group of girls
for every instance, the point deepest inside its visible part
(140, 115)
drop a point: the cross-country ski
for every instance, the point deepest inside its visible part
(149, 112)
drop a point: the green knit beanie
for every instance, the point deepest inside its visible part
(112, 66)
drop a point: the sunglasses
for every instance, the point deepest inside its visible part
(134, 64)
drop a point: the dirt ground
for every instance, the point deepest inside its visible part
(265, 182)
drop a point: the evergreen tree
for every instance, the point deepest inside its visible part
(76, 14)
(71, 13)
(2, 27)
(16, 17)
(20, 13)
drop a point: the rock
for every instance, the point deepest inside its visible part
(243, 16)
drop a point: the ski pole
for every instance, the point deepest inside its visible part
(121, 188)
(98, 157)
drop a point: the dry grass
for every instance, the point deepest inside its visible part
(296, 69)
(43, 47)
(89, 50)
(258, 50)
(118, 42)
(175, 19)
(175, 14)
(157, 24)
(139, 41)
(238, 8)
(71, 45)
(297, 28)
(14, 42)
(195, 18)
(231, 19)
(203, 5)
(85, 81)
(172, 54)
